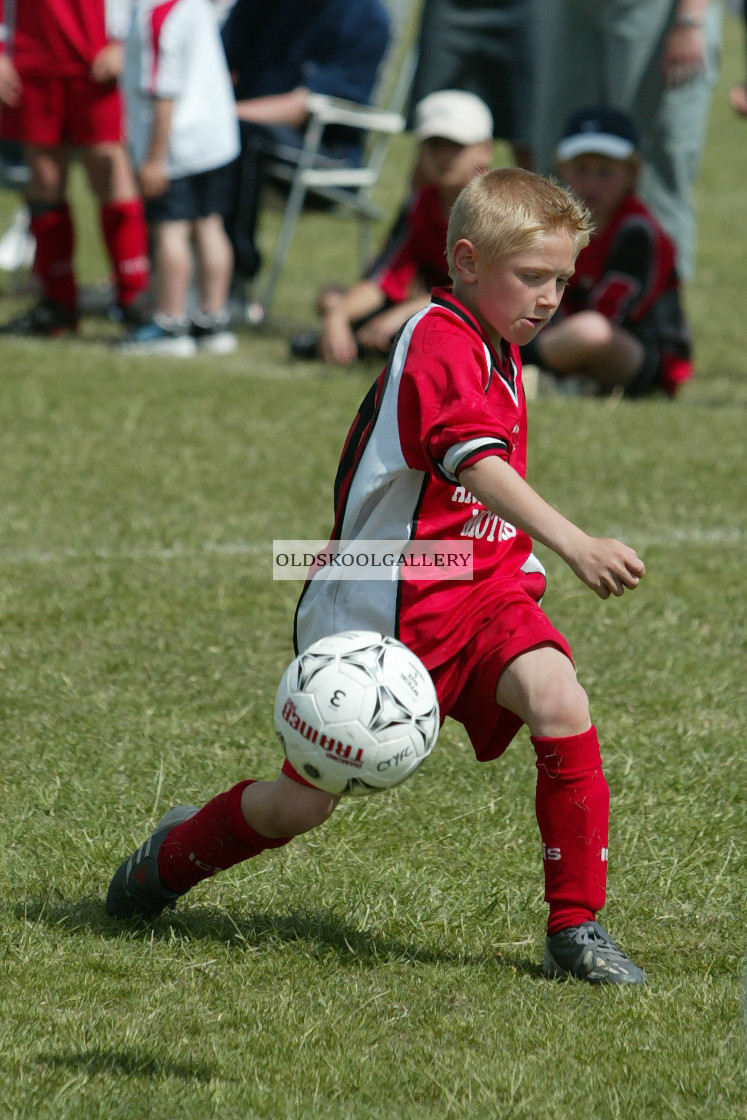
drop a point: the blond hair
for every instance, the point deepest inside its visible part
(510, 210)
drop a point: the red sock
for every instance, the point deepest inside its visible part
(55, 243)
(572, 806)
(215, 838)
(126, 238)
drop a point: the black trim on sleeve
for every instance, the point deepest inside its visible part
(489, 446)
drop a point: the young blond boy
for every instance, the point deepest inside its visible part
(438, 451)
(454, 130)
(621, 323)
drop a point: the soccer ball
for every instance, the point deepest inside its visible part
(356, 713)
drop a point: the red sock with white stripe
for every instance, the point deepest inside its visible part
(126, 239)
(52, 226)
(572, 806)
(214, 839)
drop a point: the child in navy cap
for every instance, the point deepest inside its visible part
(621, 322)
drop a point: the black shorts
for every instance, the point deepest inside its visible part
(193, 196)
(648, 378)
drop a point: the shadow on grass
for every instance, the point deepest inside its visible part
(321, 931)
(130, 1063)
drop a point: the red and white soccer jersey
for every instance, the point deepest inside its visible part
(445, 400)
(417, 249)
(59, 38)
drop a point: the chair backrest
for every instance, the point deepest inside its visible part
(350, 188)
(396, 72)
(398, 65)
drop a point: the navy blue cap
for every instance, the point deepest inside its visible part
(604, 132)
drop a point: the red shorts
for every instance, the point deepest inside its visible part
(466, 684)
(55, 110)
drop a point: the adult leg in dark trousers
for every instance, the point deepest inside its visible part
(261, 144)
(241, 219)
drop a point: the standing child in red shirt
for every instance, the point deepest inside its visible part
(438, 452)
(621, 323)
(59, 65)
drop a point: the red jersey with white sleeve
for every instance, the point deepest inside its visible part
(446, 399)
(416, 250)
(59, 38)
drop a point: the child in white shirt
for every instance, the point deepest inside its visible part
(184, 138)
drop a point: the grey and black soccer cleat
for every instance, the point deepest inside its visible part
(136, 890)
(589, 953)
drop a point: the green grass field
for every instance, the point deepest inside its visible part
(389, 964)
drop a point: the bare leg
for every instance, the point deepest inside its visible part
(541, 687)
(48, 169)
(173, 268)
(214, 263)
(109, 172)
(588, 345)
(284, 807)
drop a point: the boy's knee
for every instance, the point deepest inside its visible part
(594, 329)
(285, 807)
(562, 712)
(308, 808)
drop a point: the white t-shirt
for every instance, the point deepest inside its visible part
(174, 51)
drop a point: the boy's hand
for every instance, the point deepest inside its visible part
(107, 64)
(337, 343)
(607, 566)
(10, 83)
(152, 178)
(684, 56)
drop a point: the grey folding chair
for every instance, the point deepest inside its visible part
(349, 188)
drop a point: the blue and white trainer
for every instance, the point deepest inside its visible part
(136, 890)
(161, 335)
(589, 953)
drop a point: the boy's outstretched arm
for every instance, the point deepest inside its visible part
(607, 566)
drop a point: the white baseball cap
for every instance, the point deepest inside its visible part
(455, 115)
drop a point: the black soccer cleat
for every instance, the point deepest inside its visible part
(304, 346)
(136, 890)
(47, 319)
(587, 952)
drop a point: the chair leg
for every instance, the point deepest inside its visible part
(365, 241)
(293, 209)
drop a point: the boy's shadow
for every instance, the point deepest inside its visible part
(129, 1062)
(325, 930)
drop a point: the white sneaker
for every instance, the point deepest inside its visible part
(17, 246)
(212, 333)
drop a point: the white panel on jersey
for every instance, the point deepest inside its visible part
(329, 606)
